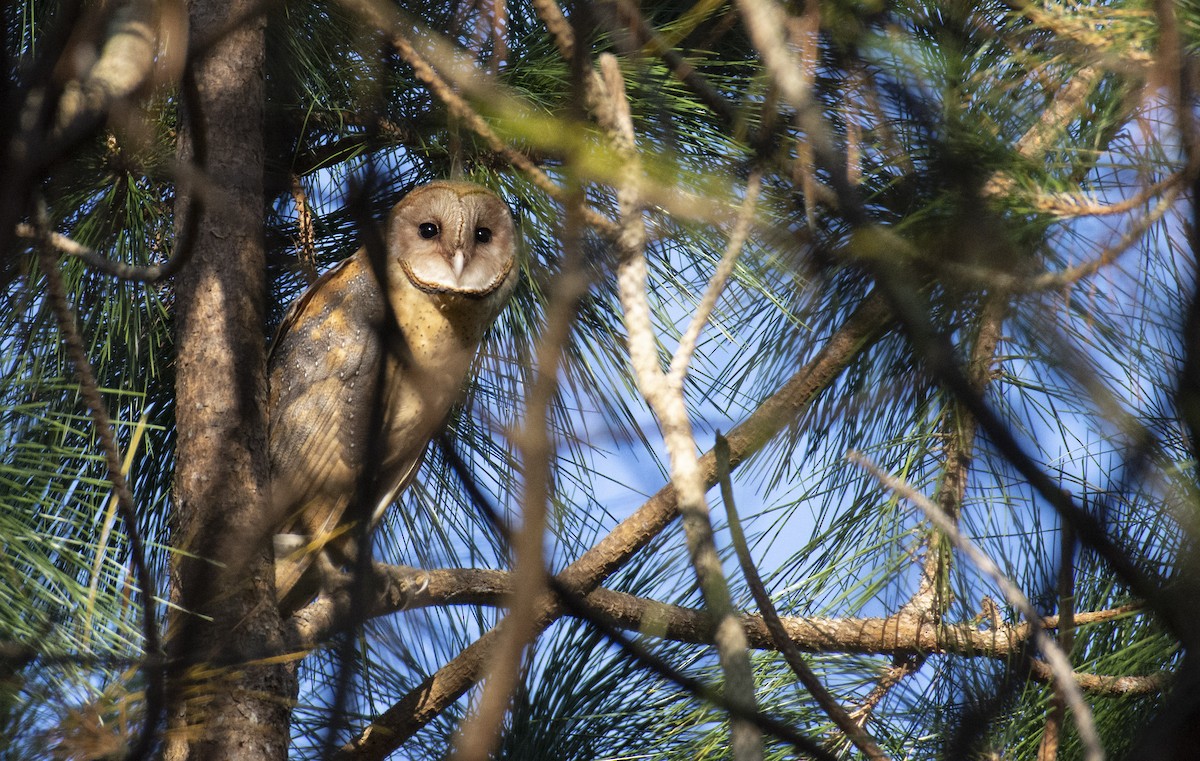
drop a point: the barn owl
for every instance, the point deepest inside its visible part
(450, 268)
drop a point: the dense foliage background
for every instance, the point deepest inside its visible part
(960, 273)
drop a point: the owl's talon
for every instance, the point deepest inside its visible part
(401, 585)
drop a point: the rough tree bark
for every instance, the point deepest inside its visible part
(222, 704)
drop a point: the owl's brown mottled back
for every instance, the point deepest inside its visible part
(451, 267)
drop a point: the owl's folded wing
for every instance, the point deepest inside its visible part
(324, 367)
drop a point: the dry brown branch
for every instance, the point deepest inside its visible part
(901, 667)
(1064, 108)
(898, 636)
(558, 27)
(395, 725)
(1048, 747)
(71, 247)
(305, 238)
(190, 179)
(460, 109)
(716, 284)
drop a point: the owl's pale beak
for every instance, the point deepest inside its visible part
(459, 262)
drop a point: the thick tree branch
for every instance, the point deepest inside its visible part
(224, 610)
(902, 636)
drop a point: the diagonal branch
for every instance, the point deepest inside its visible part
(403, 719)
(1056, 659)
(844, 721)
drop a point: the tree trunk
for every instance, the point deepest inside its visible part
(221, 707)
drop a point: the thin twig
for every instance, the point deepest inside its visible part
(648, 37)
(844, 721)
(959, 430)
(89, 390)
(449, 76)
(1056, 659)
(737, 710)
(1051, 734)
(479, 733)
(1070, 205)
(142, 273)
(716, 284)
(766, 23)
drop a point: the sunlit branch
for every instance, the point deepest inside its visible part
(305, 237)
(1069, 205)
(477, 736)
(190, 178)
(403, 588)
(558, 27)
(664, 393)
(69, 246)
(144, 47)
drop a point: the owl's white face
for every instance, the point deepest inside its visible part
(454, 237)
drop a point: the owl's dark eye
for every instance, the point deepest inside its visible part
(483, 234)
(428, 230)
